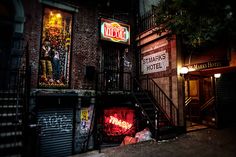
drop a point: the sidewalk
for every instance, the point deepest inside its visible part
(203, 143)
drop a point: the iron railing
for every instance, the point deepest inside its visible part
(208, 103)
(113, 81)
(165, 103)
(187, 101)
(12, 97)
(146, 21)
(138, 88)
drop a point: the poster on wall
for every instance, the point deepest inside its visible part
(54, 63)
(84, 128)
(155, 62)
(85, 121)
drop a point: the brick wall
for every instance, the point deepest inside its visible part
(32, 35)
(85, 47)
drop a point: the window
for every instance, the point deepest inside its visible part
(54, 67)
(119, 121)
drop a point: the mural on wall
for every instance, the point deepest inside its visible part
(55, 50)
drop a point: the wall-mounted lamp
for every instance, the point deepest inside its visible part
(217, 75)
(183, 70)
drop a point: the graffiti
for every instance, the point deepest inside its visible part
(84, 128)
(85, 115)
(54, 122)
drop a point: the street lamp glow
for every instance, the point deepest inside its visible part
(217, 75)
(184, 70)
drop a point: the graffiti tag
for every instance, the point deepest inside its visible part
(55, 122)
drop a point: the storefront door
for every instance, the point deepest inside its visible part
(113, 66)
(201, 109)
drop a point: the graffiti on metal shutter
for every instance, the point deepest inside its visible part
(56, 122)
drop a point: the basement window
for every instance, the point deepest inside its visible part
(118, 123)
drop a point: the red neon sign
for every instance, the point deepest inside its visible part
(120, 123)
(114, 31)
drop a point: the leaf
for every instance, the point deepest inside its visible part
(197, 22)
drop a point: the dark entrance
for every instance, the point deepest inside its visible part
(113, 66)
(200, 101)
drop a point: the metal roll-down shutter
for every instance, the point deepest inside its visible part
(55, 132)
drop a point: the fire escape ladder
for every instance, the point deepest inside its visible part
(157, 107)
(12, 116)
(12, 111)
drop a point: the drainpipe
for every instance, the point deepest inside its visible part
(19, 17)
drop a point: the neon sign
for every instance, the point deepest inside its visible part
(120, 123)
(115, 32)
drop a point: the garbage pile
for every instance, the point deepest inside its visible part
(144, 135)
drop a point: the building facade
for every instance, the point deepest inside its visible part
(77, 60)
(79, 75)
(203, 92)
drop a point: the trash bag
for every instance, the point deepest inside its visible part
(128, 140)
(143, 135)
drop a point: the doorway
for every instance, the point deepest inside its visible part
(200, 102)
(113, 66)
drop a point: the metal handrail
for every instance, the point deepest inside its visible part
(138, 88)
(208, 103)
(146, 21)
(162, 100)
(113, 81)
(187, 101)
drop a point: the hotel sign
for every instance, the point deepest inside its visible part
(207, 65)
(115, 31)
(155, 62)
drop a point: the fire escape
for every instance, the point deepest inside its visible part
(156, 108)
(13, 100)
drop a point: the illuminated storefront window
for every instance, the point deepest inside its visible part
(119, 121)
(55, 50)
